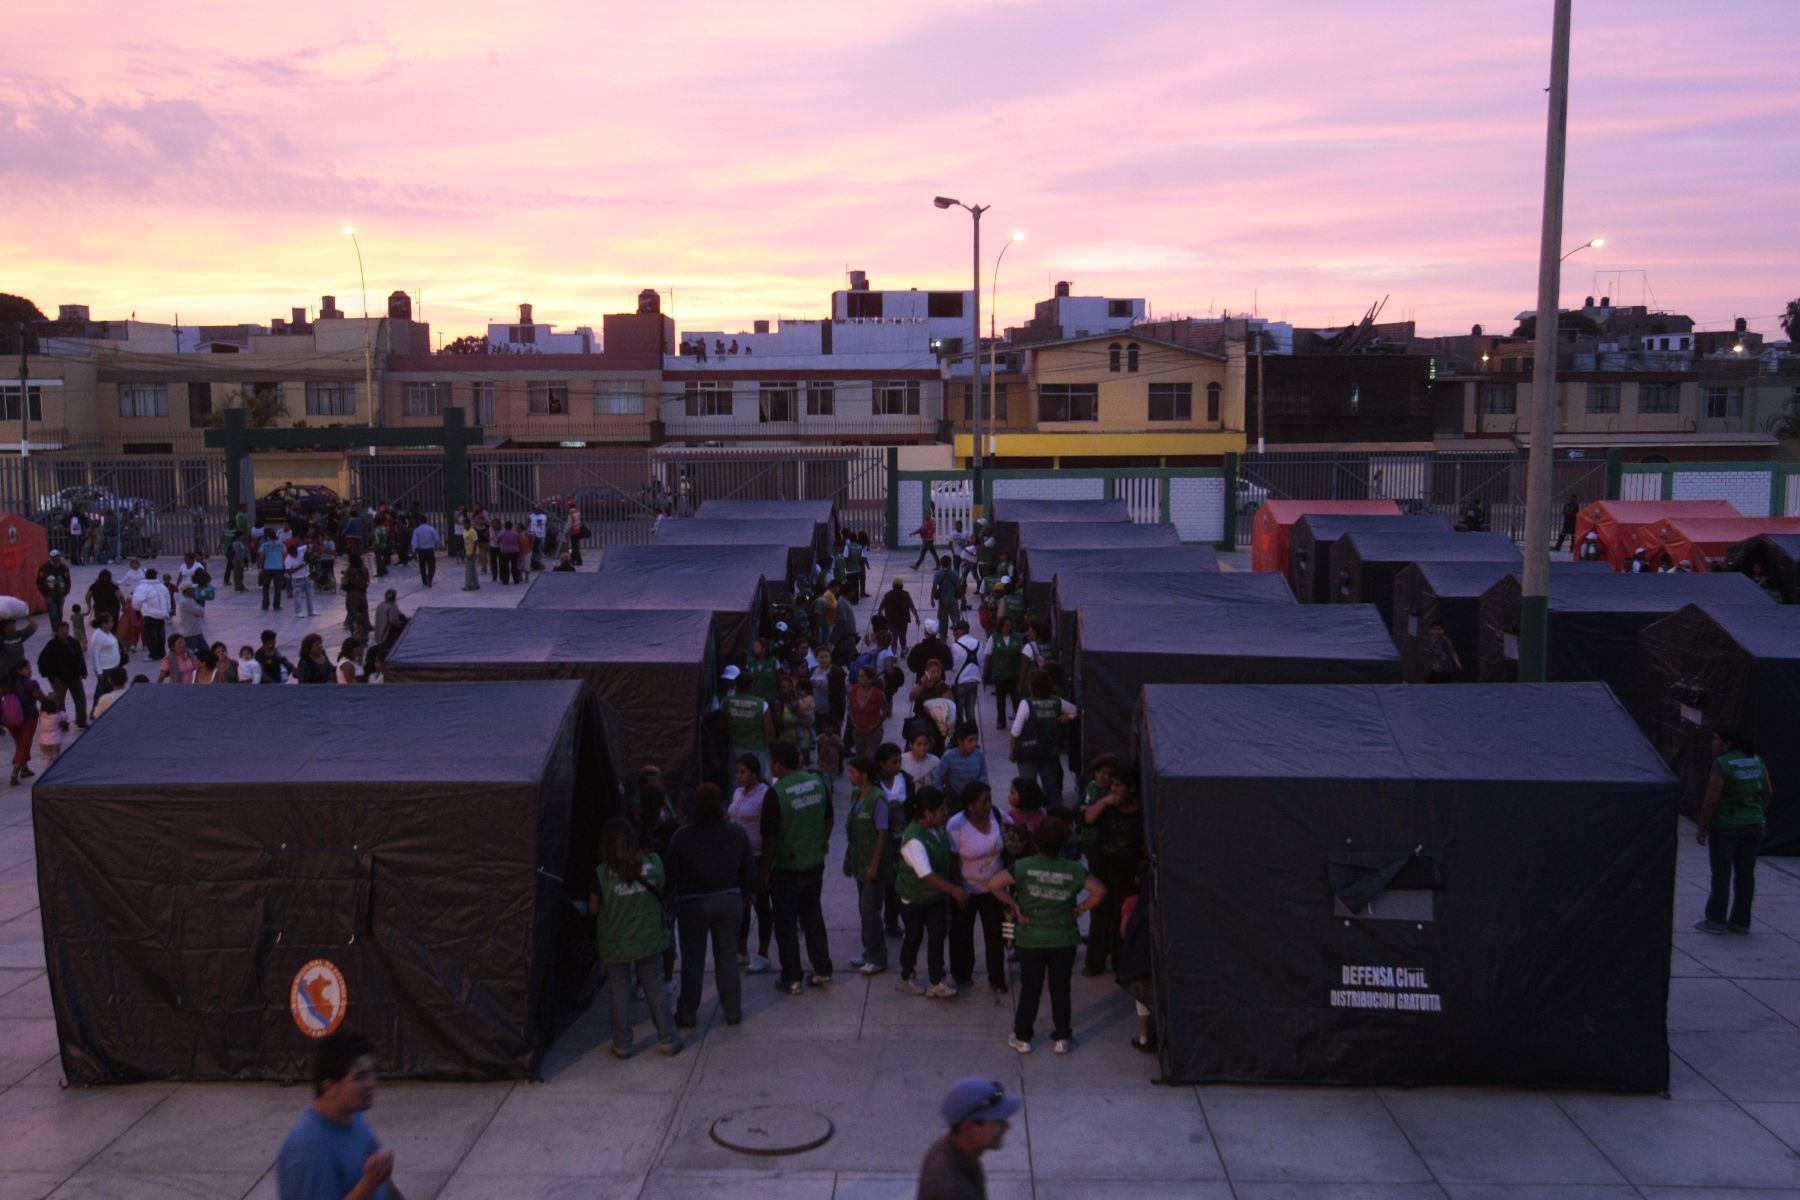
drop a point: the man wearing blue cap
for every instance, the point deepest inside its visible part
(976, 1111)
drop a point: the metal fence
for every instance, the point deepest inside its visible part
(1442, 482)
(131, 506)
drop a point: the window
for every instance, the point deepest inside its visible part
(422, 399)
(1069, 402)
(624, 398)
(1659, 397)
(1498, 399)
(1131, 357)
(863, 305)
(821, 399)
(995, 407)
(1171, 402)
(522, 335)
(896, 398)
(483, 395)
(947, 346)
(1603, 397)
(707, 399)
(546, 398)
(944, 304)
(9, 403)
(1685, 343)
(1112, 357)
(143, 399)
(1118, 308)
(777, 401)
(330, 399)
(1724, 402)
(1214, 392)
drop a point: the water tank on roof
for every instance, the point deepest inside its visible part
(1062, 289)
(759, 326)
(399, 306)
(525, 314)
(649, 302)
(859, 281)
(71, 312)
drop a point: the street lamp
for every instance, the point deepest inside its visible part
(1596, 243)
(993, 311)
(368, 356)
(975, 211)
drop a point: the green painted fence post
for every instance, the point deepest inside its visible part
(1615, 474)
(892, 516)
(1228, 538)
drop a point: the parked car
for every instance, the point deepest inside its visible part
(310, 498)
(1250, 496)
(93, 501)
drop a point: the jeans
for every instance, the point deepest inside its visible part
(968, 698)
(923, 922)
(471, 573)
(1104, 937)
(926, 550)
(61, 688)
(301, 584)
(696, 919)
(356, 613)
(1049, 774)
(795, 898)
(647, 973)
(53, 608)
(427, 566)
(271, 582)
(1733, 853)
(1034, 965)
(869, 898)
(1004, 690)
(962, 939)
(153, 637)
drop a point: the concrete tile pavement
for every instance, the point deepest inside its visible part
(876, 1062)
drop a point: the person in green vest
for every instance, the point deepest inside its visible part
(871, 856)
(632, 932)
(1040, 651)
(926, 877)
(748, 722)
(986, 553)
(796, 827)
(1732, 821)
(856, 552)
(763, 671)
(1037, 733)
(1044, 892)
(1000, 667)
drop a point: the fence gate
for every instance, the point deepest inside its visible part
(853, 477)
(131, 506)
(400, 481)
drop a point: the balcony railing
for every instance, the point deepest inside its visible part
(749, 421)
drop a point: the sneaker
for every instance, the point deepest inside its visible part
(858, 961)
(1710, 926)
(909, 985)
(792, 989)
(672, 1047)
(621, 1051)
(818, 980)
(757, 966)
(942, 991)
(1740, 930)
(1062, 1045)
(1013, 1043)
(999, 988)
(870, 968)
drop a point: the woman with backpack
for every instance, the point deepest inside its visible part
(632, 932)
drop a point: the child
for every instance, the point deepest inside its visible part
(249, 670)
(78, 625)
(527, 550)
(50, 731)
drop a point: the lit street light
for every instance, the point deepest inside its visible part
(993, 311)
(368, 356)
(1596, 243)
(975, 211)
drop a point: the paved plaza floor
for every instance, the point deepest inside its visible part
(876, 1063)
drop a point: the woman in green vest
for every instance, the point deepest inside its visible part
(764, 672)
(1000, 664)
(1046, 896)
(632, 932)
(925, 878)
(871, 857)
(1733, 817)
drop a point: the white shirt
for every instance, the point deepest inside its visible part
(967, 653)
(128, 582)
(151, 598)
(978, 851)
(185, 572)
(538, 523)
(923, 770)
(746, 810)
(1024, 714)
(249, 671)
(916, 857)
(105, 649)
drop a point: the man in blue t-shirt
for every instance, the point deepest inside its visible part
(331, 1153)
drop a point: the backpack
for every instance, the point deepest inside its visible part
(1030, 745)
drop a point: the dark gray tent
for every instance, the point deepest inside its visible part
(1122, 649)
(1147, 542)
(1726, 666)
(770, 561)
(1443, 592)
(398, 861)
(1122, 589)
(1313, 538)
(1595, 619)
(799, 535)
(1166, 561)
(732, 594)
(1380, 886)
(1778, 554)
(654, 668)
(1366, 563)
(1008, 514)
(822, 513)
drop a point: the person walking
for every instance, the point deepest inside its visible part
(927, 534)
(64, 667)
(632, 932)
(1733, 818)
(109, 659)
(20, 698)
(1041, 892)
(796, 828)
(1000, 666)
(925, 880)
(53, 585)
(1570, 510)
(977, 1112)
(965, 673)
(871, 857)
(978, 839)
(1037, 734)
(272, 560)
(299, 579)
(151, 600)
(331, 1150)
(746, 811)
(712, 876)
(946, 592)
(900, 611)
(356, 597)
(425, 543)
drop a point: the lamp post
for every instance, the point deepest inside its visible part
(368, 356)
(975, 211)
(993, 312)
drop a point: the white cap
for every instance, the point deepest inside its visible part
(56, 554)
(989, 542)
(781, 627)
(1592, 536)
(732, 672)
(1006, 579)
(931, 626)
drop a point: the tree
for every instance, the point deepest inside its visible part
(1579, 322)
(1790, 320)
(14, 309)
(468, 343)
(262, 405)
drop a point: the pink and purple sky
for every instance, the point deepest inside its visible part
(201, 158)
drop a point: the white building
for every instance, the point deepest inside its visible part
(527, 336)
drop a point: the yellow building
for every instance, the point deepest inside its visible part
(1115, 399)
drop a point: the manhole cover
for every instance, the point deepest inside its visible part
(772, 1129)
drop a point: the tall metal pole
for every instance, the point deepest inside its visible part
(975, 371)
(1535, 605)
(24, 392)
(1259, 391)
(368, 354)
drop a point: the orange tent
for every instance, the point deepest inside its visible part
(1703, 541)
(1269, 528)
(1618, 522)
(24, 547)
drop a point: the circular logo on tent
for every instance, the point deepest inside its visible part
(318, 997)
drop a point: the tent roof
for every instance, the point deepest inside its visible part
(1463, 578)
(720, 531)
(1769, 631)
(1729, 529)
(1061, 510)
(725, 588)
(1576, 732)
(1076, 535)
(1286, 512)
(226, 741)
(1617, 591)
(1047, 562)
(512, 635)
(1373, 546)
(1328, 527)
(1074, 590)
(769, 558)
(1642, 512)
(1315, 631)
(812, 510)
